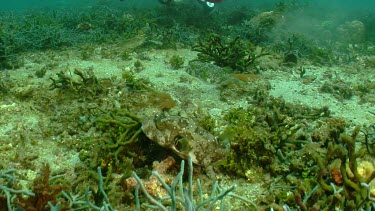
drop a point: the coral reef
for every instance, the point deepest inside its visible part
(268, 136)
(9, 189)
(180, 196)
(346, 185)
(45, 194)
(152, 185)
(87, 83)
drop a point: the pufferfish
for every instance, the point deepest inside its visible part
(184, 137)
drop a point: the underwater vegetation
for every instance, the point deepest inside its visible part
(176, 61)
(343, 177)
(236, 54)
(184, 195)
(298, 46)
(268, 136)
(87, 84)
(301, 157)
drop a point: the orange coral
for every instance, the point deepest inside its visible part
(152, 185)
(44, 193)
(334, 169)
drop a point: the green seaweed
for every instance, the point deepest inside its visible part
(342, 190)
(176, 62)
(270, 135)
(86, 83)
(120, 130)
(256, 140)
(339, 89)
(236, 54)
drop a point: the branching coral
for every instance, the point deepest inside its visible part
(180, 197)
(8, 189)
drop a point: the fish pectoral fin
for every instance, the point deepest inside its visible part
(221, 162)
(193, 158)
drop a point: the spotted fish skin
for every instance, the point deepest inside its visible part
(184, 137)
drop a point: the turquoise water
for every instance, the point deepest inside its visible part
(61, 4)
(273, 100)
(18, 4)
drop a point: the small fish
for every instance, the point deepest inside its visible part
(184, 137)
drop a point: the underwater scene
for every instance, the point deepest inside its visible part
(189, 105)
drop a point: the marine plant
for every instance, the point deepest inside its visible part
(299, 46)
(3, 53)
(369, 137)
(176, 62)
(47, 29)
(264, 134)
(49, 194)
(45, 194)
(338, 88)
(253, 142)
(236, 54)
(4, 85)
(180, 197)
(366, 91)
(116, 147)
(8, 189)
(133, 83)
(340, 184)
(138, 66)
(87, 82)
(206, 71)
(237, 86)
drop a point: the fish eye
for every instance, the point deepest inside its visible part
(159, 123)
(181, 144)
